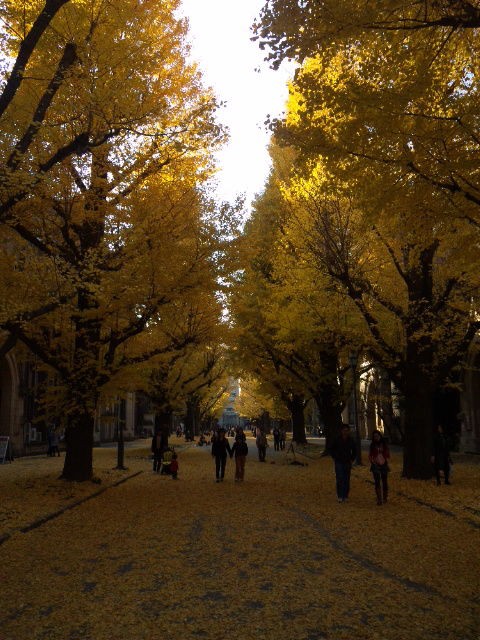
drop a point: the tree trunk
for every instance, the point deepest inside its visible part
(78, 465)
(418, 403)
(390, 421)
(419, 373)
(296, 406)
(192, 418)
(265, 422)
(330, 412)
(328, 396)
(163, 422)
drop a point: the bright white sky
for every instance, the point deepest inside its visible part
(220, 38)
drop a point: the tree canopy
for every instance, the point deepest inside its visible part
(106, 147)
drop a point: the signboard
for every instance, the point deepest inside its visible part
(3, 448)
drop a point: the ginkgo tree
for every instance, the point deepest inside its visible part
(286, 313)
(256, 400)
(411, 279)
(111, 230)
(264, 347)
(382, 88)
(299, 28)
(192, 382)
(383, 118)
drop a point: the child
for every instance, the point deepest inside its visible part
(174, 467)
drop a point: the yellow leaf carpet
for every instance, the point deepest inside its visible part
(148, 557)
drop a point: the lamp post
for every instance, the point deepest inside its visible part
(353, 360)
(120, 440)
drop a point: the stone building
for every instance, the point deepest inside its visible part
(19, 413)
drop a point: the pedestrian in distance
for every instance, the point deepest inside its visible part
(283, 438)
(261, 442)
(157, 451)
(54, 442)
(441, 459)
(220, 449)
(240, 451)
(379, 455)
(174, 466)
(276, 439)
(343, 453)
(49, 440)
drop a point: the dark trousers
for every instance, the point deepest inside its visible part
(276, 444)
(442, 465)
(220, 463)
(157, 460)
(381, 485)
(262, 452)
(342, 475)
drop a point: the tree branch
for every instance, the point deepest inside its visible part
(26, 50)
(68, 59)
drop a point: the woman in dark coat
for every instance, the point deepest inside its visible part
(240, 451)
(157, 450)
(379, 455)
(220, 449)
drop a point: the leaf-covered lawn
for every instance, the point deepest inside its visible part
(274, 557)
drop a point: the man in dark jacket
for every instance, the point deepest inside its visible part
(220, 448)
(343, 453)
(158, 447)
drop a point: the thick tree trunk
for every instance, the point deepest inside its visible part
(265, 422)
(419, 372)
(163, 422)
(192, 418)
(390, 422)
(78, 464)
(328, 396)
(418, 404)
(83, 383)
(330, 412)
(296, 406)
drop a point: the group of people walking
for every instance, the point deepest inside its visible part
(165, 460)
(221, 448)
(279, 439)
(53, 440)
(344, 453)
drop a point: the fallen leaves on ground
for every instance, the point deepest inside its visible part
(275, 557)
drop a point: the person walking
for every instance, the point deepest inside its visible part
(379, 455)
(240, 451)
(157, 450)
(276, 439)
(441, 455)
(343, 453)
(283, 437)
(54, 442)
(261, 442)
(220, 449)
